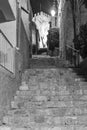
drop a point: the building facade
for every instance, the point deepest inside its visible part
(15, 46)
(42, 21)
(35, 39)
(66, 25)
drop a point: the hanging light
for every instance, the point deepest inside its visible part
(53, 11)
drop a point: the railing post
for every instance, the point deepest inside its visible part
(78, 59)
(75, 58)
(71, 56)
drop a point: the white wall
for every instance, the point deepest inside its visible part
(9, 29)
(42, 23)
(13, 6)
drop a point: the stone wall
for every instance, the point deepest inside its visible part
(69, 25)
(9, 82)
(83, 14)
(66, 26)
(66, 22)
(8, 87)
(24, 48)
(62, 26)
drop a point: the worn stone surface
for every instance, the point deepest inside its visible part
(55, 100)
(8, 87)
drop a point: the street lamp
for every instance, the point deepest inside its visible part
(54, 9)
(53, 12)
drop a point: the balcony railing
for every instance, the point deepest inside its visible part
(6, 53)
(72, 55)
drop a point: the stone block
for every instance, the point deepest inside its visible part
(79, 92)
(56, 121)
(17, 92)
(25, 98)
(45, 128)
(82, 120)
(20, 128)
(56, 128)
(5, 128)
(15, 98)
(62, 128)
(23, 93)
(59, 111)
(68, 120)
(14, 112)
(79, 111)
(5, 119)
(41, 98)
(39, 119)
(78, 79)
(80, 103)
(80, 127)
(85, 91)
(14, 104)
(24, 87)
(16, 120)
(84, 97)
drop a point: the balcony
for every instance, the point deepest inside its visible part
(6, 12)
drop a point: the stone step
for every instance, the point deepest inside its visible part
(24, 86)
(45, 120)
(45, 101)
(49, 111)
(79, 127)
(28, 95)
(48, 100)
(40, 106)
(13, 128)
(17, 121)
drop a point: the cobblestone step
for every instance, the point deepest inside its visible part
(46, 128)
(45, 120)
(49, 98)
(60, 112)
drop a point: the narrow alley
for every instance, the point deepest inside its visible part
(50, 98)
(43, 64)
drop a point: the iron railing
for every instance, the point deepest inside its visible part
(72, 55)
(6, 53)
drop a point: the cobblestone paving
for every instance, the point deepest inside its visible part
(48, 99)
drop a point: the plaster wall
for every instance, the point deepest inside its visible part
(9, 82)
(24, 48)
(8, 87)
(13, 6)
(9, 29)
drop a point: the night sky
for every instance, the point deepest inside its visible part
(41, 5)
(46, 5)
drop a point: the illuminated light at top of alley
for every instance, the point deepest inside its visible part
(53, 13)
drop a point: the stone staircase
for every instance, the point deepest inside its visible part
(49, 98)
(44, 61)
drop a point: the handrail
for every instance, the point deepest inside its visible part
(27, 11)
(6, 38)
(74, 59)
(72, 48)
